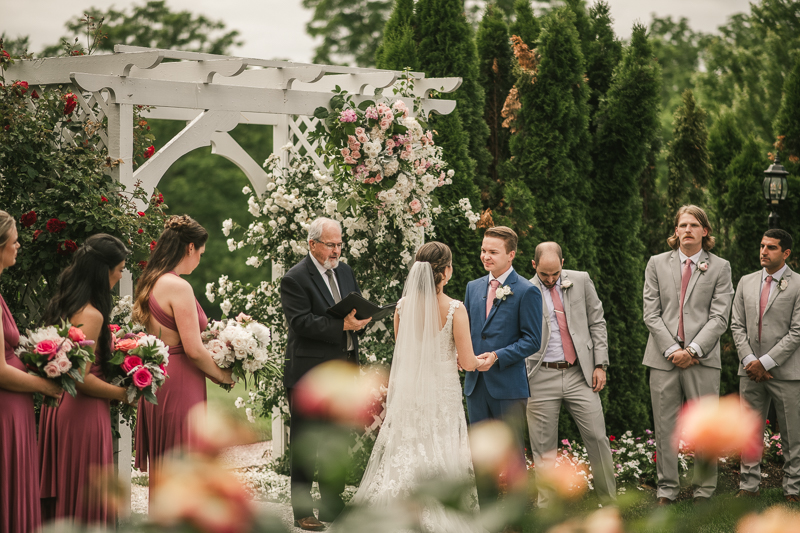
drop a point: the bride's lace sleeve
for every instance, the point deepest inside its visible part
(399, 305)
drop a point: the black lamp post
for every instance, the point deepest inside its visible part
(775, 188)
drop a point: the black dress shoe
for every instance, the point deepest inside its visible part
(662, 501)
(309, 523)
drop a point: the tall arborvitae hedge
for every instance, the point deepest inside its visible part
(724, 144)
(525, 26)
(551, 147)
(627, 125)
(652, 231)
(687, 156)
(495, 63)
(603, 53)
(787, 133)
(398, 50)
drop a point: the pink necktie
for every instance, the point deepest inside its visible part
(687, 274)
(763, 302)
(566, 339)
(492, 293)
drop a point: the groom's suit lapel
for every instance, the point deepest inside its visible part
(318, 281)
(511, 280)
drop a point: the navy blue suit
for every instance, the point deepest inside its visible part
(513, 330)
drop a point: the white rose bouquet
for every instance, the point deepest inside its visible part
(240, 344)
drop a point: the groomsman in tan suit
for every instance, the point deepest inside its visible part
(766, 329)
(569, 368)
(687, 302)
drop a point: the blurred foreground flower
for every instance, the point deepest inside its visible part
(605, 520)
(202, 494)
(567, 480)
(719, 427)
(337, 391)
(777, 519)
(496, 455)
(212, 431)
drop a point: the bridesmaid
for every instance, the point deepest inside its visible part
(166, 305)
(75, 446)
(19, 466)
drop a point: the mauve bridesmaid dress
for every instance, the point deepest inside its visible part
(19, 464)
(76, 453)
(164, 427)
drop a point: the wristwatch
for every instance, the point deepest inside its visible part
(603, 366)
(692, 352)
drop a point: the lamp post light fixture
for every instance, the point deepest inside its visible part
(775, 187)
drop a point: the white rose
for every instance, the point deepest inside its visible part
(210, 292)
(227, 225)
(226, 307)
(239, 403)
(231, 244)
(246, 190)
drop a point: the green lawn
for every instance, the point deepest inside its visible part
(222, 401)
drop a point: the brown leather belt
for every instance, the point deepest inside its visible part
(559, 366)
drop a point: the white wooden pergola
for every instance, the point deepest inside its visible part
(212, 94)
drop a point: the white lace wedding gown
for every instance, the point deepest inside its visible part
(423, 437)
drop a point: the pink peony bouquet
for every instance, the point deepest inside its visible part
(140, 362)
(57, 353)
(240, 344)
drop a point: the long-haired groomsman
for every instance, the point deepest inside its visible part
(766, 329)
(687, 302)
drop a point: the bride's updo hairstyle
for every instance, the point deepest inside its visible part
(171, 247)
(438, 255)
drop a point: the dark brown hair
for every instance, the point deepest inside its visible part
(506, 234)
(179, 232)
(701, 216)
(438, 255)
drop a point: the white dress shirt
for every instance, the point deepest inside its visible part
(502, 279)
(765, 359)
(554, 352)
(675, 347)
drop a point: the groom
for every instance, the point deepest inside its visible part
(505, 319)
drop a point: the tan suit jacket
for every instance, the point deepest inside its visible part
(584, 312)
(707, 307)
(780, 330)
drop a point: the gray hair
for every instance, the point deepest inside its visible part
(545, 248)
(318, 225)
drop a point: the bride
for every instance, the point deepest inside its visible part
(424, 435)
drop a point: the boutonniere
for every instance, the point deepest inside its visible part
(565, 284)
(503, 293)
(702, 266)
(783, 283)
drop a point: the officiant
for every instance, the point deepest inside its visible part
(307, 291)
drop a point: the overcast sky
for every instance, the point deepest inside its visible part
(275, 29)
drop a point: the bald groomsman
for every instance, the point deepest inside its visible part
(569, 368)
(687, 302)
(766, 329)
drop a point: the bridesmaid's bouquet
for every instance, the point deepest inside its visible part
(57, 353)
(240, 344)
(139, 362)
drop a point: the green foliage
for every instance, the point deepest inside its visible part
(627, 125)
(350, 31)
(603, 52)
(687, 158)
(398, 50)
(724, 144)
(151, 25)
(652, 231)
(56, 182)
(495, 64)
(550, 147)
(525, 26)
(786, 127)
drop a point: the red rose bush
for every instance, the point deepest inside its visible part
(57, 353)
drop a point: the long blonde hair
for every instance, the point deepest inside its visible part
(6, 223)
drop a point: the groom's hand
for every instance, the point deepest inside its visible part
(351, 323)
(488, 360)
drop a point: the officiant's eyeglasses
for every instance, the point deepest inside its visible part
(332, 245)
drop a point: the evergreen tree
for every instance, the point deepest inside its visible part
(399, 48)
(604, 52)
(525, 26)
(627, 126)
(787, 131)
(652, 229)
(550, 148)
(724, 144)
(446, 47)
(687, 157)
(495, 64)
(582, 23)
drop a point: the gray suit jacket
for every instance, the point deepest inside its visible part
(584, 312)
(707, 307)
(780, 331)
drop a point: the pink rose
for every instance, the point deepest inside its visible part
(163, 369)
(415, 206)
(360, 131)
(126, 345)
(76, 335)
(356, 154)
(63, 364)
(131, 362)
(51, 369)
(47, 347)
(385, 123)
(348, 115)
(114, 328)
(241, 317)
(142, 378)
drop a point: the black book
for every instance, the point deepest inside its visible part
(364, 308)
